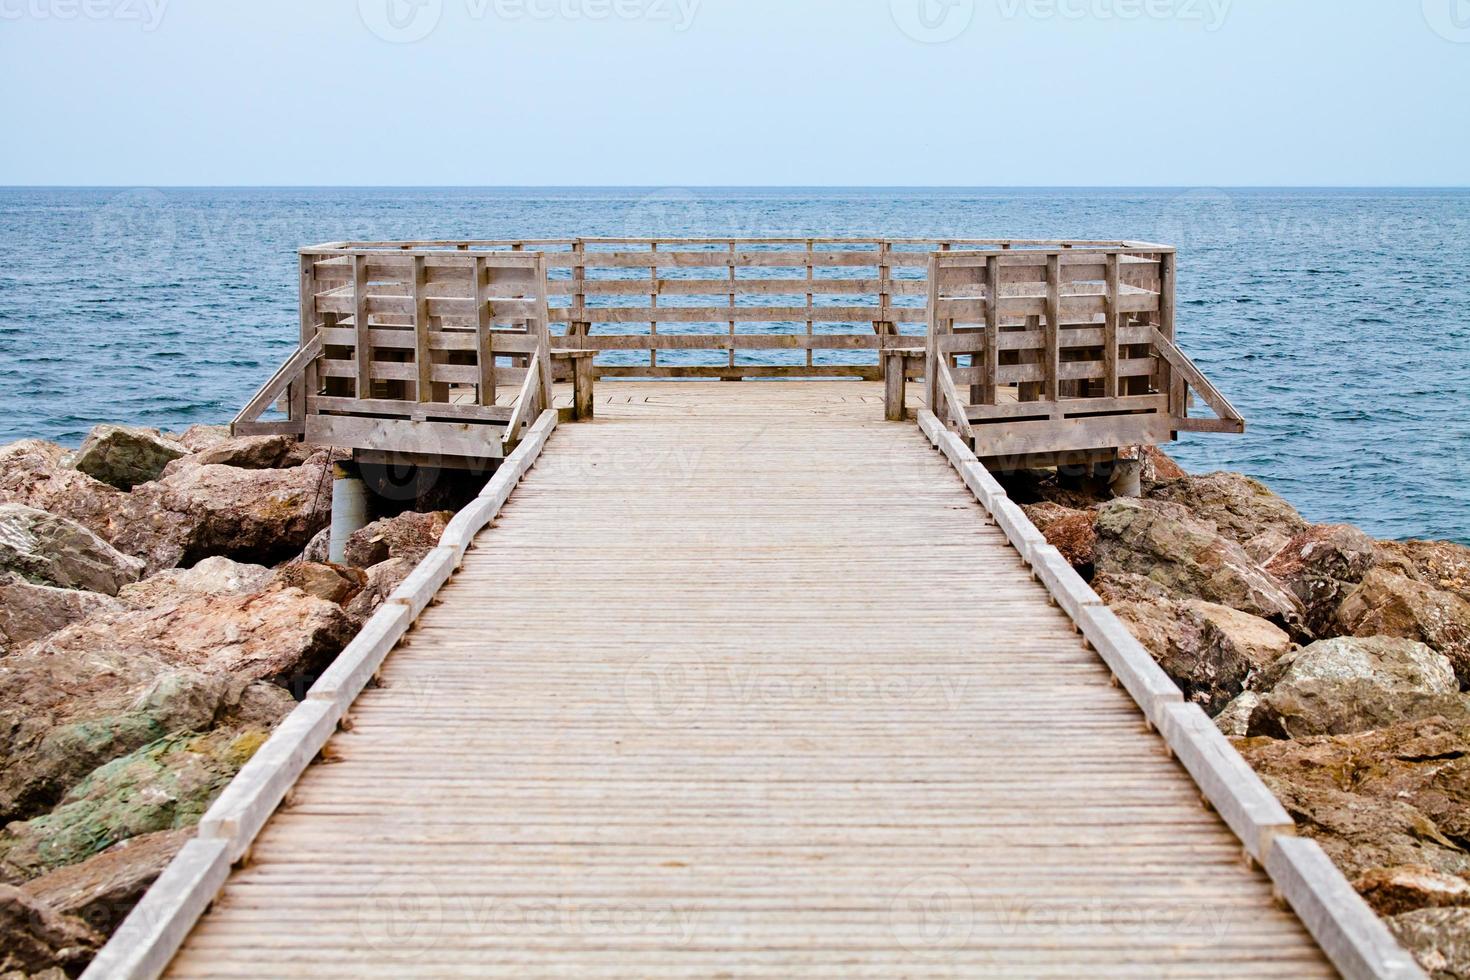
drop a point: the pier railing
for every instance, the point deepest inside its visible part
(1048, 349)
(1030, 349)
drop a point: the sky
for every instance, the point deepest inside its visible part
(736, 92)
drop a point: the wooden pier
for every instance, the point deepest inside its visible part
(749, 680)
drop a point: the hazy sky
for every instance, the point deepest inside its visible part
(703, 92)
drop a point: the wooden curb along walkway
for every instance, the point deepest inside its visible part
(830, 838)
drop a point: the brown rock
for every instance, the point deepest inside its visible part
(1158, 466)
(1209, 650)
(53, 550)
(1440, 564)
(1352, 684)
(103, 889)
(29, 612)
(409, 535)
(382, 579)
(67, 709)
(281, 635)
(1240, 508)
(212, 576)
(34, 937)
(125, 456)
(244, 452)
(334, 583)
(1394, 796)
(1439, 940)
(1321, 566)
(1068, 530)
(197, 438)
(1163, 542)
(1389, 604)
(1394, 891)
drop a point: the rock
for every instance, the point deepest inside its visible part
(1163, 542)
(1240, 508)
(334, 583)
(382, 579)
(1395, 796)
(35, 938)
(319, 548)
(52, 550)
(165, 785)
(246, 452)
(1321, 566)
(1394, 891)
(197, 438)
(1267, 545)
(1439, 940)
(1068, 530)
(262, 516)
(1388, 604)
(1158, 466)
(409, 535)
(212, 576)
(103, 889)
(1209, 650)
(1335, 687)
(1440, 564)
(29, 612)
(1235, 720)
(281, 635)
(64, 710)
(125, 456)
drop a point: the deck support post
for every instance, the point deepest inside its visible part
(895, 386)
(349, 509)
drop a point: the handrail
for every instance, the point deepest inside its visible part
(285, 376)
(1219, 404)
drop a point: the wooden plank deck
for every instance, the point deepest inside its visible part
(741, 683)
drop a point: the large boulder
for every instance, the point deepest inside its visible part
(1441, 564)
(1321, 566)
(66, 709)
(125, 456)
(1163, 542)
(409, 535)
(56, 551)
(262, 516)
(1386, 603)
(103, 889)
(334, 583)
(1157, 466)
(1210, 651)
(1068, 530)
(35, 939)
(248, 453)
(1438, 938)
(382, 579)
(1350, 684)
(281, 635)
(1242, 509)
(197, 438)
(1390, 797)
(165, 785)
(29, 611)
(212, 576)
(1396, 890)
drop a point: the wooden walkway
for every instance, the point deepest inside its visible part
(743, 684)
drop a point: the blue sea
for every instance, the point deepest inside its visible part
(1336, 320)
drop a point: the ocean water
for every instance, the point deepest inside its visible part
(1337, 321)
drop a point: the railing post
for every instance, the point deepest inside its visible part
(931, 340)
(1110, 327)
(423, 359)
(1051, 390)
(1169, 380)
(578, 325)
(990, 372)
(484, 336)
(363, 337)
(301, 389)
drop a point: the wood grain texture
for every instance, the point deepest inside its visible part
(742, 682)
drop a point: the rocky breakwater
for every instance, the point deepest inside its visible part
(164, 602)
(1338, 663)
